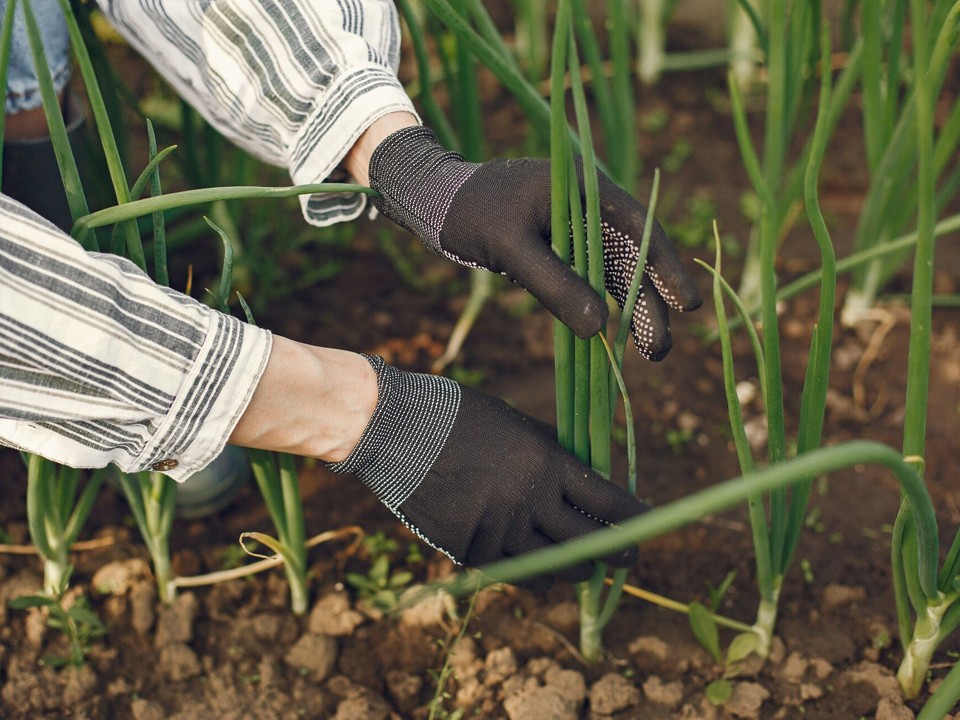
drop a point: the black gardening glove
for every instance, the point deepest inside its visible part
(475, 478)
(497, 216)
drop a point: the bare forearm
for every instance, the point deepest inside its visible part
(310, 401)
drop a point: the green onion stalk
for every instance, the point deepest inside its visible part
(586, 370)
(792, 39)
(890, 117)
(464, 134)
(777, 521)
(152, 498)
(652, 40)
(747, 41)
(276, 476)
(56, 514)
(925, 619)
(720, 498)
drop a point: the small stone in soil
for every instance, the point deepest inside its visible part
(404, 689)
(141, 709)
(747, 699)
(539, 703)
(178, 662)
(893, 709)
(365, 706)
(660, 693)
(499, 665)
(651, 646)
(175, 622)
(315, 653)
(143, 600)
(116, 578)
(333, 616)
(835, 595)
(613, 693)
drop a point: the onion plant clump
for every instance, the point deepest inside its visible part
(587, 371)
(777, 521)
(926, 615)
(891, 115)
(57, 509)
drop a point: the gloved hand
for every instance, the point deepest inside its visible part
(475, 478)
(497, 216)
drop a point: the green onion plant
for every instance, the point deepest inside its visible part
(276, 476)
(57, 509)
(586, 370)
(777, 521)
(926, 615)
(890, 87)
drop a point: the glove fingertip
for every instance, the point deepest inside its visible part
(588, 319)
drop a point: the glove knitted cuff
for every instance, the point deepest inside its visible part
(416, 178)
(407, 431)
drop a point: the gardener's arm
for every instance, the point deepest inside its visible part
(294, 82)
(98, 364)
(464, 471)
(312, 85)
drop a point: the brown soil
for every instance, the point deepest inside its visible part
(235, 651)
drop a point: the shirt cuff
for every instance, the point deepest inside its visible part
(213, 397)
(355, 100)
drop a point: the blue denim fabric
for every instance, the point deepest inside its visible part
(23, 92)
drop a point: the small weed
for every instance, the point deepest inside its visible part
(233, 556)
(381, 586)
(466, 376)
(655, 120)
(77, 622)
(717, 593)
(678, 438)
(694, 229)
(436, 705)
(719, 691)
(678, 156)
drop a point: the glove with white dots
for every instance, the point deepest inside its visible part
(496, 216)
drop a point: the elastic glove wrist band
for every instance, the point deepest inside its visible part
(407, 431)
(405, 163)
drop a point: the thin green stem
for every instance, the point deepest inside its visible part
(918, 359)
(563, 338)
(720, 497)
(70, 175)
(815, 386)
(160, 273)
(170, 201)
(6, 42)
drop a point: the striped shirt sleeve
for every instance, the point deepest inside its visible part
(98, 364)
(294, 82)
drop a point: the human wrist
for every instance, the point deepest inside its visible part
(310, 401)
(357, 160)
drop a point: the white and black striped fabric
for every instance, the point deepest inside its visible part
(294, 82)
(98, 364)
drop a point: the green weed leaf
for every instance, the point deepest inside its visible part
(719, 691)
(742, 646)
(26, 602)
(705, 630)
